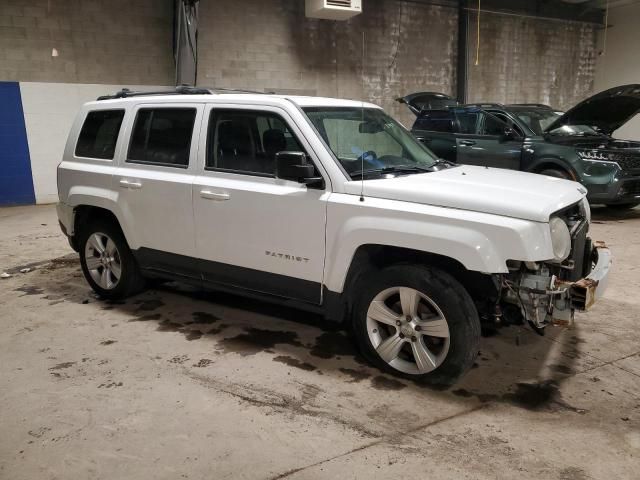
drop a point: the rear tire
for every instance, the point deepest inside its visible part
(107, 261)
(557, 173)
(418, 323)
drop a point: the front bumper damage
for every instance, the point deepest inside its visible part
(545, 299)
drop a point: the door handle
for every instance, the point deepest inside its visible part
(129, 184)
(467, 143)
(209, 195)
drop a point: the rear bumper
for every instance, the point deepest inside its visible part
(66, 220)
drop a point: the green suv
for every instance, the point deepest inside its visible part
(575, 145)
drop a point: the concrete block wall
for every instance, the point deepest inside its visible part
(619, 62)
(271, 45)
(527, 60)
(97, 41)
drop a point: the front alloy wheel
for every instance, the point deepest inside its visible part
(103, 260)
(416, 321)
(408, 330)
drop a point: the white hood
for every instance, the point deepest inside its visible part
(489, 190)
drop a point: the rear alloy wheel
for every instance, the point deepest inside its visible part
(107, 262)
(103, 260)
(417, 322)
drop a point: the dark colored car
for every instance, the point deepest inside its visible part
(576, 145)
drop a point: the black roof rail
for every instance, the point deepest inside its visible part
(538, 105)
(483, 105)
(179, 90)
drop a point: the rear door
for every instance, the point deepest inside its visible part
(154, 184)
(482, 139)
(435, 129)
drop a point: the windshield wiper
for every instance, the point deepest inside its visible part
(391, 169)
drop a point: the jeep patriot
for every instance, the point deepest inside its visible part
(328, 205)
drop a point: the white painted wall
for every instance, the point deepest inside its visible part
(620, 62)
(49, 111)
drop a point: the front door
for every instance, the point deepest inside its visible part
(482, 141)
(255, 231)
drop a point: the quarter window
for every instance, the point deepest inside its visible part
(435, 121)
(162, 136)
(99, 134)
(247, 141)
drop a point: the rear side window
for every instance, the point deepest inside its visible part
(99, 134)
(435, 121)
(162, 136)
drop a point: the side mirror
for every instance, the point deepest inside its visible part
(509, 134)
(293, 166)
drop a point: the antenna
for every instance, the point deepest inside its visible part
(362, 120)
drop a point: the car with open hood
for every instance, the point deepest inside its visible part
(576, 145)
(330, 206)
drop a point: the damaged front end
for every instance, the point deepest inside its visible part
(549, 293)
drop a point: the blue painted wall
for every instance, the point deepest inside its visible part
(16, 182)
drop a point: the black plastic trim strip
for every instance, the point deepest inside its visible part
(227, 276)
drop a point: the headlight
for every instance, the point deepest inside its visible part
(560, 239)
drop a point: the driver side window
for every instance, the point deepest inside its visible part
(496, 122)
(247, 141)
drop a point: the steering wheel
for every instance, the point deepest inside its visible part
(368, 156)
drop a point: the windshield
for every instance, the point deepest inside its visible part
(538, 120)
(368, 141)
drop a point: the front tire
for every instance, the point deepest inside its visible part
(417, 322)
(107, 262)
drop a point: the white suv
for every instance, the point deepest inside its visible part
(329, 205)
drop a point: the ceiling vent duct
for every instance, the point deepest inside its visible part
(333, 9)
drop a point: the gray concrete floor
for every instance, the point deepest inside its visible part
(181, 384)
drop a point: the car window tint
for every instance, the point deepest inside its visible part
(435, 121)
(248, 141)
(99, 134)
(492, 125)
(468, 122)
(162, 136)
(506, 122)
